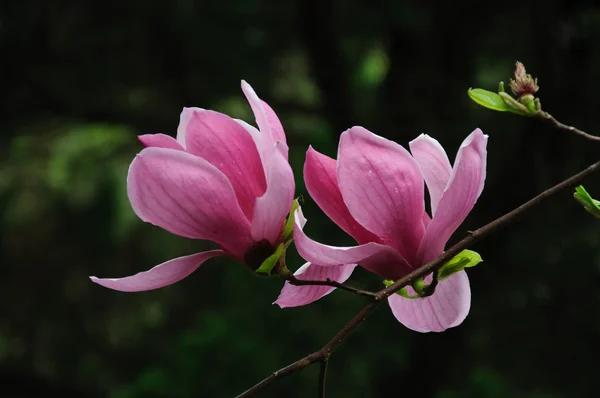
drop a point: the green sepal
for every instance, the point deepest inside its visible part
(515, 106)
(588, 203)
(464, 259)
(289, 225)
(402, 292)
(419, 285)
(267, 266)
(501, 87)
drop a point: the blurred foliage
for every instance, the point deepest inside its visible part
(81, 79)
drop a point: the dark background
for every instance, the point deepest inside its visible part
(79, 81)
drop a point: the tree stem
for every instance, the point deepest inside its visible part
(328, 282)
(561, 126)
(325, 352)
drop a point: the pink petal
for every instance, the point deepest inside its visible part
(383, 188)
(264, 149)
(426, 220)
(322, 184)
(274, 124)
(160, 141)
(184, 119)
(187, 196)
(299, 217)
(434, 164)
(225, 144)
(295, 296)
(377, 258)
(464, 187)
(446, 308)
(272, 208)
(160, 276)
(266, 119)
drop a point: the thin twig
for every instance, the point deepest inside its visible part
(323, 377)
(291, 368)
(328, 282)
(561, 126)
(327, 349)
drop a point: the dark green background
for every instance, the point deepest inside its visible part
(79, 81)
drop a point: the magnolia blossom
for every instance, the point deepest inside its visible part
(220, 180)
(375, 193)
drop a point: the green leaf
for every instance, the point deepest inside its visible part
(488, 99)
(591, 205)
(267, 266)
(464, 259)
(289, 226)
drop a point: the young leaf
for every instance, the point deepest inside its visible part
(289, 226)
(464, 259)
(267, 266)
(591, 205)
(488, 99)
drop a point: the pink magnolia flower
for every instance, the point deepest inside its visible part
(220, 180)
(375, 193)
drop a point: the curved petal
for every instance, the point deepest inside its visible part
(272, 208)
(274, 124)
(464, 187)
(295, 296)
(383, 188)
(299, 217)
(184, 119)
(187, 196)
(267, 121)
(225, 144)
(322, 185)
(160, 141)
(377, 258)
(434, 164)
(446, 308)
(162, 275)
(259, 141)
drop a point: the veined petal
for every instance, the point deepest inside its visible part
(160, 141)
(463, 189)
(272, 208)
(446, 308)
(434, 164)
(162, 275)
(184, 119)
(295, 296)
(377, 258)
(225, 144)
(322, 185)
(266, 119)
(383, 188)
(187, 196)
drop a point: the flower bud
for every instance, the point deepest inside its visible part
(523, 84)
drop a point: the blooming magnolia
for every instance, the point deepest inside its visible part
(375, 193)
(220, 180)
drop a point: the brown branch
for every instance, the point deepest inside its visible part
(325, 352)
(323, 377)
(328, 282)
(548, 117)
